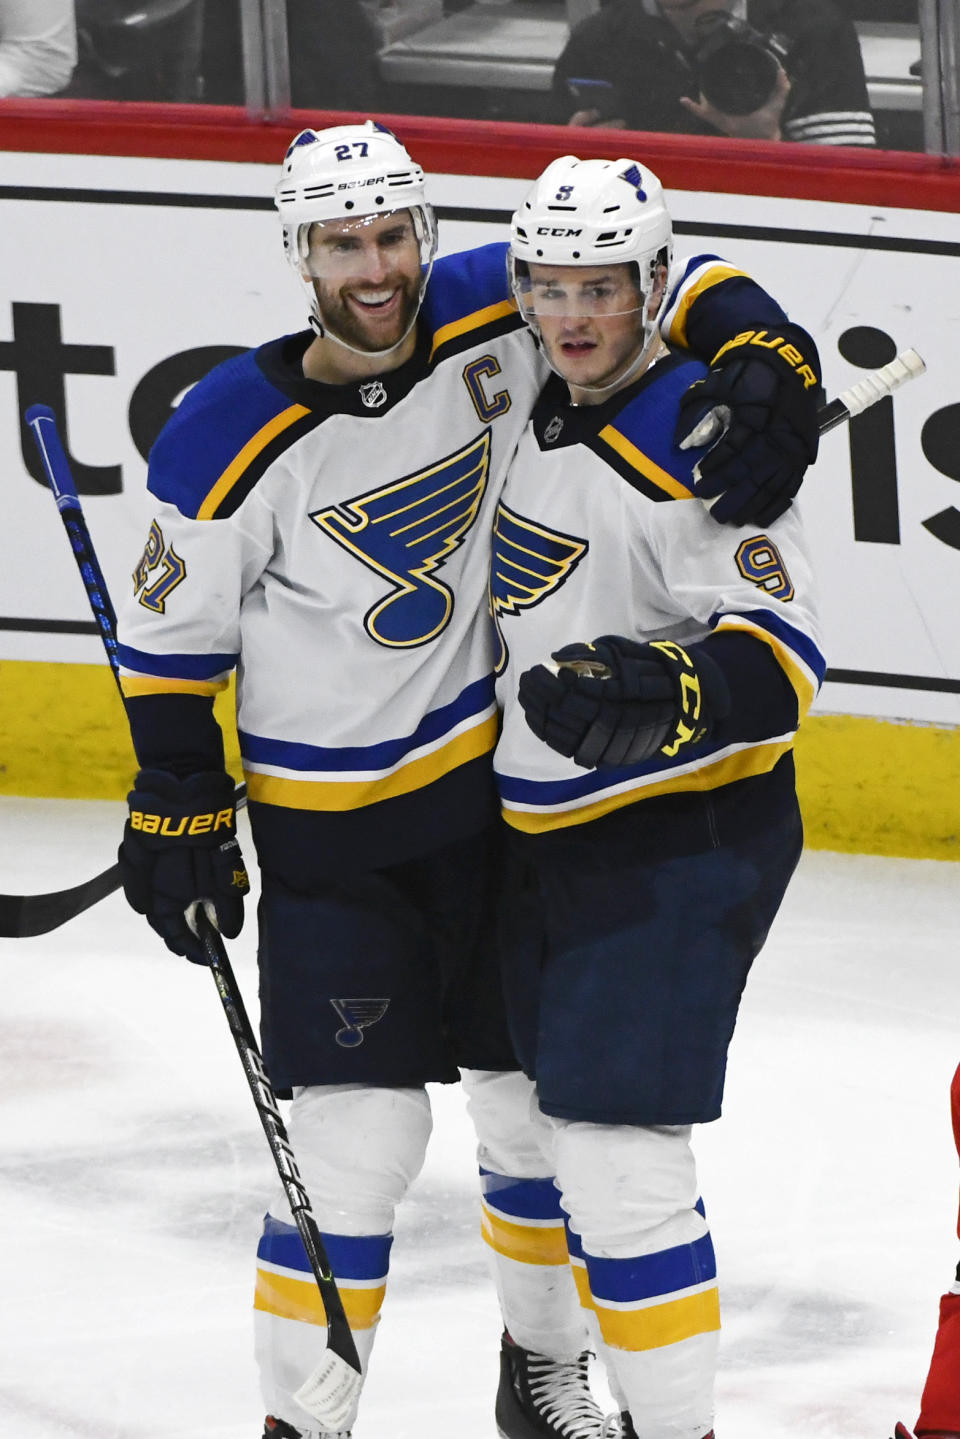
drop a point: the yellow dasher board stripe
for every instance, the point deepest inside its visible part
(644, 465)
(656, 1325)
(543, 1243)
(355, 794)
(742, 764)
(677, 331)
(796, 671)
(300, 1299)
(241, 462)
(486, 316)
(153, 685)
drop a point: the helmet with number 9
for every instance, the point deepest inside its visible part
(349, 173)
(592, 212)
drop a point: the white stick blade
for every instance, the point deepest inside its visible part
(331, 1392)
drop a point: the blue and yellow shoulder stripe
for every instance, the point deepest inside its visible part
(638, 442)
(226, 432)
(701, 273)
(468, 301)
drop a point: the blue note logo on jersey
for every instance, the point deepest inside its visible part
(529, 563)
(405, 531)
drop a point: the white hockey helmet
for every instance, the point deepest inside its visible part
(349, 172)
(592, 212)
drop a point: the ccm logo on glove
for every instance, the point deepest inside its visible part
(619, 701)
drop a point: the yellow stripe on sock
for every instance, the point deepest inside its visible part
(527, 1243)
(658, 1325)
(300, 1299)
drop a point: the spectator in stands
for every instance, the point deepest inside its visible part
(38, 46)
(795, 74)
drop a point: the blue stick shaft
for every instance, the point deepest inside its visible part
(43, 425)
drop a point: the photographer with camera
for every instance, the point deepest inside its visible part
(751, 69)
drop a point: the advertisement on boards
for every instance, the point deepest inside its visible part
(125, 280)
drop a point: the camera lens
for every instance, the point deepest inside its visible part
(738, 77)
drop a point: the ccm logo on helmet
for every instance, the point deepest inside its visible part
(557, 234)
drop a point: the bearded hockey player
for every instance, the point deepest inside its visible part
(645, 770)
(323, 522)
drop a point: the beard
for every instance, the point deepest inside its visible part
(369, 334)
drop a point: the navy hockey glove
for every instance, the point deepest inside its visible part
(180, 848)
(618, 702)
(767, 397)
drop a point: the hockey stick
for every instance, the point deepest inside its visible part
(33, 914)
(329, 1393)
(43, 422)
(866, 392)
(23, 916)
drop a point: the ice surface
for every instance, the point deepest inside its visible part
(133, 1175)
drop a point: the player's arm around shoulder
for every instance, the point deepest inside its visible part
(757, 404)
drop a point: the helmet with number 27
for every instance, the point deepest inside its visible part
(350, 176)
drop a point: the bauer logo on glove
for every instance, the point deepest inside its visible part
(179, 851)
(756, 409)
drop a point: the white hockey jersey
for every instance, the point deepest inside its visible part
(333, 544)
(598, 533)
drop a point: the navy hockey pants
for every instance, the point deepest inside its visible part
(387, 976)
(623, 973)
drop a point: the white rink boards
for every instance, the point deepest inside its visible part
(129, 276)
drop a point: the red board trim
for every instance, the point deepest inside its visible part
(480, 147)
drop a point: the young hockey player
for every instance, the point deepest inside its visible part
(647, 774)
(324, 512)
(940, 1403)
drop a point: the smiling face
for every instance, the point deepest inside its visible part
(366, 276)
(590, 320)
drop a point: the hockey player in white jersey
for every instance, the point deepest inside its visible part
(324, 513)
(653, 667)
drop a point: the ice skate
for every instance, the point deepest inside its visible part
(280, 1429)
(541, 1398)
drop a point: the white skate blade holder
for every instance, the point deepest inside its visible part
(331, 1391)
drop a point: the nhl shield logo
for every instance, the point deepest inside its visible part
(552, 432)
(357, 1015)
(373, 395)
